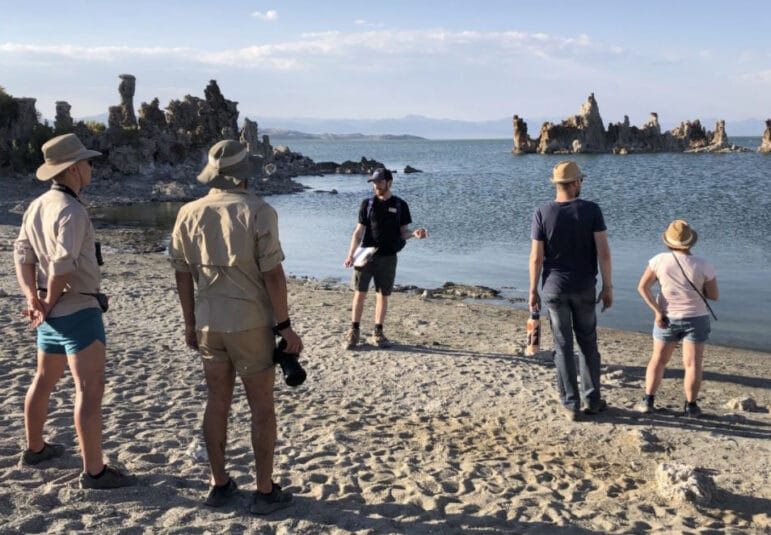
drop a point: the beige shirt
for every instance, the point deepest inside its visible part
(227, 240)
(57, 235)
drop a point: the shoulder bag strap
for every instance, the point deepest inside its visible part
(693, 286)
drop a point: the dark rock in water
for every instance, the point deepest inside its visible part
(410, 169)
(585, 133)
(465, 290)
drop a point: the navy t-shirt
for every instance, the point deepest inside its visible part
(570, 254)
(382, 228)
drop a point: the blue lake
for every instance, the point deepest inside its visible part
(477, 199)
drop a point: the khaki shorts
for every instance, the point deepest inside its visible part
(250, 352)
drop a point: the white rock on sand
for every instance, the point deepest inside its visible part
(453, 430)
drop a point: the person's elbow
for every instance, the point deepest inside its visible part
(711, 290)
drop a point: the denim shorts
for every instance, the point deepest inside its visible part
(67, 335)
(695, 329)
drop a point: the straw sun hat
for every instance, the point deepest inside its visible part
(566, 171)
(228, 165)
(62, 152)
(679, 235)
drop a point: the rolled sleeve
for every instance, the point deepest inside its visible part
(176, 254)
(269, 253)
(71, 229)
(23, 253)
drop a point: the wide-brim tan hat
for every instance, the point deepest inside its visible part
(62, 152)
(679, 235)
(229, 164)
(566, 171)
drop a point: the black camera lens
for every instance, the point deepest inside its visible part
(294, 374)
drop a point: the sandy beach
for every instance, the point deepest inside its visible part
(453, 430)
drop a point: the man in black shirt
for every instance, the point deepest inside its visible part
(383, 224)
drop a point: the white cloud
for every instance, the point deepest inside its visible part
(760, 76)
(269, 15)
(344, 47)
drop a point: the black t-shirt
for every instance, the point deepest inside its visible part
(383, 225)
(570, 255)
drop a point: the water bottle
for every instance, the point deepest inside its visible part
(533, 334)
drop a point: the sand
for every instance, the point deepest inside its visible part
(453, 430)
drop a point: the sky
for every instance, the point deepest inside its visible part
(479, 60)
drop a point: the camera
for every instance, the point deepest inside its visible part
(294, 374)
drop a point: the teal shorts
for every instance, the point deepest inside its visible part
(67, 335)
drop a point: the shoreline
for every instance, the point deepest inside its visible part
(452, 430)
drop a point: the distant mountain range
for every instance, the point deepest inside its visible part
(418, 126)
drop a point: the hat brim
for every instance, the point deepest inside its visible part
(230, 177)
(567, 180)
(48, 171)
(681, 247)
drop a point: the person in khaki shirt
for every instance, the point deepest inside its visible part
(226, 244)
(57, 269)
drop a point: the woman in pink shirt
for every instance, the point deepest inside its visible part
(681, 312)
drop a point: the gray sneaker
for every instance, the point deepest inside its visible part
(49, 451)
(380, 340)
(644, 407)
(352, 339)
(276, 499)
(111, 478)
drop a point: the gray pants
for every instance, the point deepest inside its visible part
(570, 313)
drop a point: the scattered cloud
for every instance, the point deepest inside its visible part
(351, 47)
(269, 15)
(760, 76)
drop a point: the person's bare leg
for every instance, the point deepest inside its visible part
(357, 307)
(220, 379)
(381, 307)
(87, 367)
(50, 367)
(259, 392)
(662, 353)
(693, 363)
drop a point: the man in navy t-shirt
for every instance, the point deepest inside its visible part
(384, 221)
(569, 238)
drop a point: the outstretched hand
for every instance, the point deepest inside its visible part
(420, 233)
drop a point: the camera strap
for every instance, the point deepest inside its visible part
(693, 286)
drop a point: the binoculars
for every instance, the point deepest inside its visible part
(294, 374)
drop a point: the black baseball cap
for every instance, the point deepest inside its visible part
(381, 174)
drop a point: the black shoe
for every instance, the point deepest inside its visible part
(691, 410)
(49, 451)
(110, 478)
(265, 504)
(596, 408)
(219, 495)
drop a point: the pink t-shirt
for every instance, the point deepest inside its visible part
(677, 299)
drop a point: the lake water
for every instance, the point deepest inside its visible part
(477, 199)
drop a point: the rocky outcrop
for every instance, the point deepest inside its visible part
(126, 88)
(409, 169)
(63, 121)
(522, 142)
(585, 133)
(765, 145)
